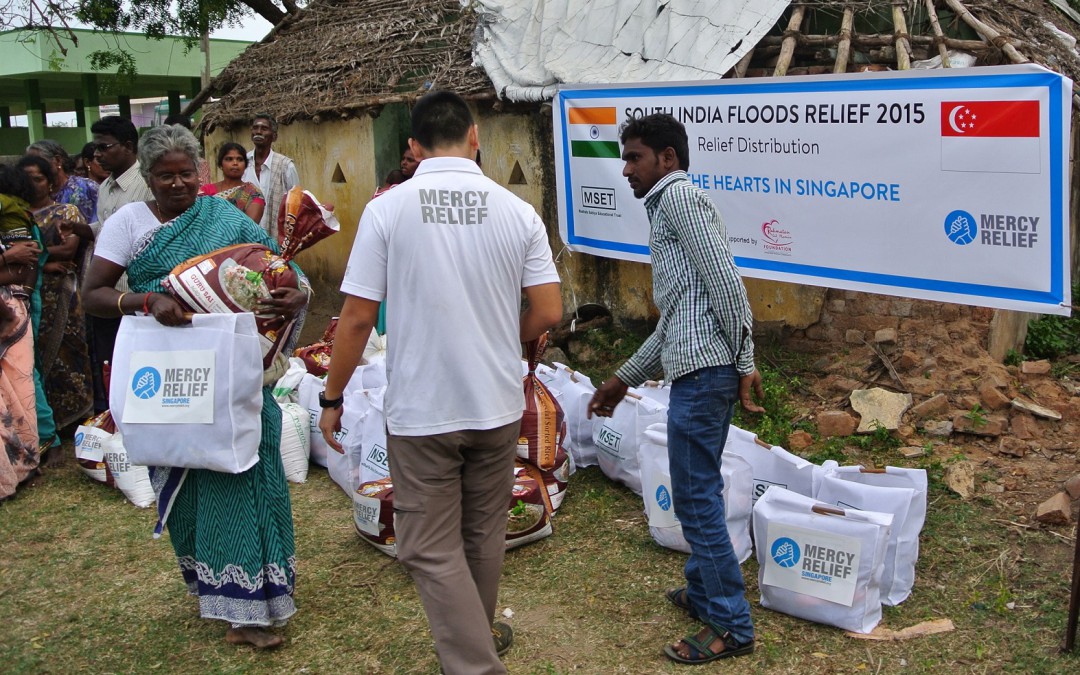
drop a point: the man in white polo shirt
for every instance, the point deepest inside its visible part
(454, 251)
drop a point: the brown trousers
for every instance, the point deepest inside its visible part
(451, 495)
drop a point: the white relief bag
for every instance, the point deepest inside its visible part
(373, 457)
(772, 465)
(818, 562)
(344, 467)
(309, 390)
(904, 548)
(617, 437)
(189, 396)
(573, 391)
(295, 427)
(659, 498)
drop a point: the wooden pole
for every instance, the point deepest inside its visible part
(992, 36)
(938, 34)
(843, 48)
(903, 48)
(744, 63)
(787, 49)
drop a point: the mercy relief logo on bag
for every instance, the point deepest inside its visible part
(171, 388)
(813, 563)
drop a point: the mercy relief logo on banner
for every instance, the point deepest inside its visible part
(171, 388)
(948, 185)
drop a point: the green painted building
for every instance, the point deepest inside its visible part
(35, 78)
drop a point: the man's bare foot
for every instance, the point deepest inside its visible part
(256, 637)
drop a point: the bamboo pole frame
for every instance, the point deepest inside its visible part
(939, 34)
(903, 47)
(843, 48)
(992, 36)
(787, 49)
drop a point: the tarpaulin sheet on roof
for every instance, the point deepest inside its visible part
(528, 47)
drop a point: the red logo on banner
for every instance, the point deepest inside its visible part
(990, 119)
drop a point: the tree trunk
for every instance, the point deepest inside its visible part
(267, 10)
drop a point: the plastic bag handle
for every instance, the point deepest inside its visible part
(827, 510)
(863, 470)
(762, 443)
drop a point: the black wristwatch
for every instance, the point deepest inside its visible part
(334, 403)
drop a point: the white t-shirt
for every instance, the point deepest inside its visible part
(451, 250)
(126, 233)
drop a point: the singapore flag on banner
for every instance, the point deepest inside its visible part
(990, 136)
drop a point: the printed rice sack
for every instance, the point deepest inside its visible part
(295, 441)
(659, 498)
(303, 222)
(286, 388)
(233, 279)
(91, 439)
(528, 517)
(904, 546)
(818, 562)
(132, 479)
(573, 391)
(617, 437)
(316, 357)
(543, 429)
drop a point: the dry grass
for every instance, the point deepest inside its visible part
(84, 586)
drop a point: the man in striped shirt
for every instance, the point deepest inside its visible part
(702, 344)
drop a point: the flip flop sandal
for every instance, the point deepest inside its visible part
(700, 651)
(681, 599)
(503, 635)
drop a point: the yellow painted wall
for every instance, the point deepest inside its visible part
(318, 149)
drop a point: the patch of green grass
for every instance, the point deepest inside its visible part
(1050, 337)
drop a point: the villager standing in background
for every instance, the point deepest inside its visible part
(273, 172)
(232, 188)
(456, 267)
(115, 143)
(409, 162)
(60, 352)
(703, 344)
(90, 167)
(70, 188)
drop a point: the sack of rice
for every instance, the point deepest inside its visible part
(895, 490)
(818, 562)
(233, 279)
(543, 429)
(91, 439)
(528, 512)
(573, 391)
(617, 437)
(659, 498)
(295, 441)
(316, 357)
(303, 222)
(286, 388)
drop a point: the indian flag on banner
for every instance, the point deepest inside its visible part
(593, 133)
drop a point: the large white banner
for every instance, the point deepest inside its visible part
(947, 185)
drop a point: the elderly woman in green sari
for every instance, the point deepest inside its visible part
(232, 533)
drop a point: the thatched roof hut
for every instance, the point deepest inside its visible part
(337, 58)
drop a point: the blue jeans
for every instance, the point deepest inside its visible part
(699, 415)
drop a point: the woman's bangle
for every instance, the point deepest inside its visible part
(146, 304)
(119, 300)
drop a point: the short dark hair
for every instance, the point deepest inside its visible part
(659, 132)
(119, 128)
(43, 165)
(14, 182)
(177, 118)
(226, 147)
(268, 117)
(440, 118)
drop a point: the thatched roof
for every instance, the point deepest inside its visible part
(338, 58)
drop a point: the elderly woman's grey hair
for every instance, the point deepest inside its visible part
(160, 141)
(50, 150)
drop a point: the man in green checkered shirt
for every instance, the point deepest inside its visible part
(703, 344)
